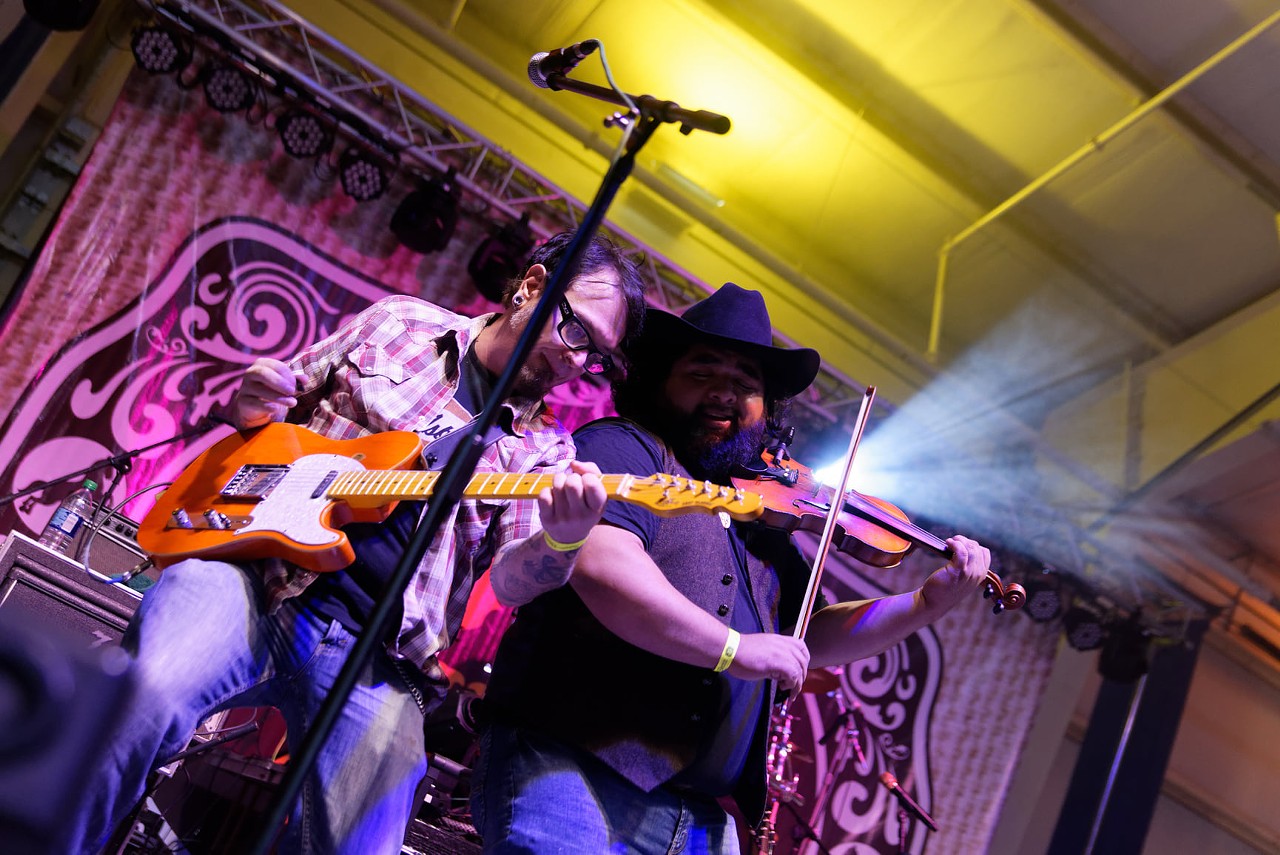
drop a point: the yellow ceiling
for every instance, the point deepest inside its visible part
(1121, 311)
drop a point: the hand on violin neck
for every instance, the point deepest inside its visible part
(959, 579)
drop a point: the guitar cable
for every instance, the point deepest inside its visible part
(85, 549)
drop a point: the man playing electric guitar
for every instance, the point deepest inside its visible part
(213, 634)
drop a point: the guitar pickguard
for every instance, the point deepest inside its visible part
(292, 506)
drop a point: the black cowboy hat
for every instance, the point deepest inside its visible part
(737, 319)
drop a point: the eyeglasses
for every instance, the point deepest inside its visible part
(575, 337)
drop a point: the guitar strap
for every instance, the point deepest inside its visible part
(436, 453)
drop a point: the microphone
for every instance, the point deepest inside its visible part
(907, 803)
(560, 61)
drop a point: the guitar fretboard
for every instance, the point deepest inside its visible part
(397, 485)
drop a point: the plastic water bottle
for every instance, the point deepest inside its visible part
(75, 510)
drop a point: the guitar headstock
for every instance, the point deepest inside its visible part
(668, 495)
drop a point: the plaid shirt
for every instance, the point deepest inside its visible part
(395, 367)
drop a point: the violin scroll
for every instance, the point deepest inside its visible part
(1011, 597)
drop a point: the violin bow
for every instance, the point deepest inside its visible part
(833, 514)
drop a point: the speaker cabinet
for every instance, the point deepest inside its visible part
(54, 591)
(63, 684)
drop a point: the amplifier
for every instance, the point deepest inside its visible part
(114, 549)
(63, 685)
(57, 592)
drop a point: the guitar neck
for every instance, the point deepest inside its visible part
(662, 494)
(362, 487)
(376, 487)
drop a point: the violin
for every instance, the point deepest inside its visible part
(869, 529)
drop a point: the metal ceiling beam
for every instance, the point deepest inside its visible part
(1235, 152)
(976, 172)
(1156, 102)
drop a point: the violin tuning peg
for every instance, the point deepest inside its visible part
(997, 608)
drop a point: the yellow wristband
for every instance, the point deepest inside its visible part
(561, 547)
(731, 643)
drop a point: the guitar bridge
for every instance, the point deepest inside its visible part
(254, 482)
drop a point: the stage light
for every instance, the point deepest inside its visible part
(303, 134)
(228, 89)
(427, 217)
(499, 258)
(1124, 655)
(362, 175)
(1044, 595)
(158, 51)
(1085, 624)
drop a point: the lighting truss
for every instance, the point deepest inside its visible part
(364, 99)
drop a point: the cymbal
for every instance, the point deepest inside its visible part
(819, 681)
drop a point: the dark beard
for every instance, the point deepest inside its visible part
(705, 455)
(531, 384)
(718, 459)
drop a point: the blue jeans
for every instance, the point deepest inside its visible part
(532, 794)
(201, 644)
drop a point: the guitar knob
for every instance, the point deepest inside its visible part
(181, 519)
(217, 519)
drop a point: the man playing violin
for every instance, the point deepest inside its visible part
(626, 703)
(212, 635)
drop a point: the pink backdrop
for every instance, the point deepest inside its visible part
(193, 244)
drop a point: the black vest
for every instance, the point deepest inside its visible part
(560, 672)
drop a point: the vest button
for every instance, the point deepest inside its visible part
(728, 579)
(723, 610)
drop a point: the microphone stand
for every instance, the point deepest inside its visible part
(651, 108)
(802, 831)
(845, 731)
(122, 463)
(457, 473)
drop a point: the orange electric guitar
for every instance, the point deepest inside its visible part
(282, 491)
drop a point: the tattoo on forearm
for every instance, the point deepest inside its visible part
(548, 570)
(538, 573)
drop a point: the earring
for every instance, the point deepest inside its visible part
(517, 301)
